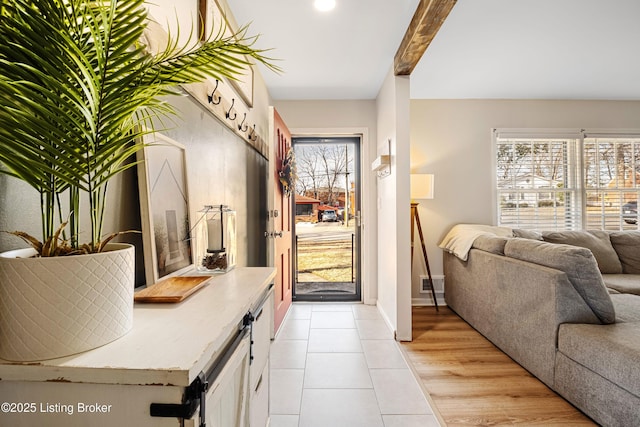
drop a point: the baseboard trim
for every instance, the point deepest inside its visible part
(421, 302)
(386, 319)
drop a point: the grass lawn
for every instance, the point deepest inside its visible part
(330, 260)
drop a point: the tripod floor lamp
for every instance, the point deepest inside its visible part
(421, 188)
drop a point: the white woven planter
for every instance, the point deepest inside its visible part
(58, 306)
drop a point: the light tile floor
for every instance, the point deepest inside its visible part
(337, 365)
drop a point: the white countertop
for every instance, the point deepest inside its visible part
(169, 343)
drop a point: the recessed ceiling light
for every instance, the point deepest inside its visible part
(324, 5)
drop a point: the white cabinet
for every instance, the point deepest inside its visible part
(259, 404)
(159, 364)
(227, 397)
(259, 368)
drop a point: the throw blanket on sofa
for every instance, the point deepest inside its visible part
(460, 238)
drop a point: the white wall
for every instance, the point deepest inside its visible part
(452, 139)
(394, 277)
(346, 118)
(180, 19)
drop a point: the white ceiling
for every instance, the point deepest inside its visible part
(529, 49)
(342, 54)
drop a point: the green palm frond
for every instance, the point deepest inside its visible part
(76, 84)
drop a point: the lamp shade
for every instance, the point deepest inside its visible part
(422, 186)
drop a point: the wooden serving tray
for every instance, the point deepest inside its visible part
(171, 290)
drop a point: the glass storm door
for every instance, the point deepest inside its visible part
(326, 207)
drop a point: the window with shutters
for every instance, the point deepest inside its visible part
(566, 180)
(611, 181)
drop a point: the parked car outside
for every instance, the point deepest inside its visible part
(630, 212)
(329, 216)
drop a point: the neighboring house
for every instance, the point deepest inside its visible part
(306, 209)
(309, 209)
(334, 197)
(337, 202)
(535, 183)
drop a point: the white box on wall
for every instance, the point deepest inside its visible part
(381, 162)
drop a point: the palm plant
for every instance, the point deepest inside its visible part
(78, 89)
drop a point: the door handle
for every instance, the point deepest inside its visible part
(278, 234)
(267, 234)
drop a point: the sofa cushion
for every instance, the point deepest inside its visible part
(577, 263)
(627, 307)
(627, 246)
(611, 351)
(623, 283)
(527, 234)
(595, 240)
(492, 244)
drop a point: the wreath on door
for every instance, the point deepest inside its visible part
(287, 173)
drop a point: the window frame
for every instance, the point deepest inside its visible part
(612, 135)
(580, 188)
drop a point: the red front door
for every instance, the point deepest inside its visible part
(280, 215)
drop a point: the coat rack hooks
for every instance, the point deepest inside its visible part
(212, 99)
(228, 114)
(252, 134)
(244, 128)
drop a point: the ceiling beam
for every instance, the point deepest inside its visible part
(429, 16)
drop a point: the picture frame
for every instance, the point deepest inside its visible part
(213, 17)
(164, 208)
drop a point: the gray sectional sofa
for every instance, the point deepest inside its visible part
(565, 306)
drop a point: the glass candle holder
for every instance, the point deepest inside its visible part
(215, 238)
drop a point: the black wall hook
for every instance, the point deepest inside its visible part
(228, 114)
(252, 134)
(212, 98)
(244, 128)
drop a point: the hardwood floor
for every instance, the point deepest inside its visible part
(472, 383)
